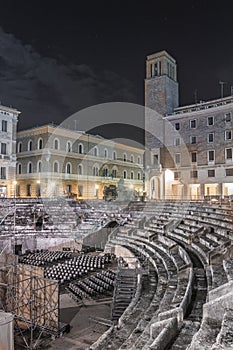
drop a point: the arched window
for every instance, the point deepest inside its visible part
(55, 167)
(68, 146)
(105, 153)
(19, 168)
(105, 171)
(40, 143)
(139, 176)
(132, 158)
(80, 148)
(68, 168)
(132, 175)
(39, 166)
(29, 167)
(56, 144)
(95, 151)
(125, 157)
(114, 155)
(19, 147)
(30, 145)
(139, 160)
(80, 169)
(114, 173)
(125, 174)
(95, 171)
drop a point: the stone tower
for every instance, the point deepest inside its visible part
(161, 98)
(161, 86)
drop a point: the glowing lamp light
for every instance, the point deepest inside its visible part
(96, 187)
(15, 182)
(169, 175)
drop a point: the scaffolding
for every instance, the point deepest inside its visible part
(31, 299)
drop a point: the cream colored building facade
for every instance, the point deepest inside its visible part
(190, 149)
(54, 161)
(8, 127)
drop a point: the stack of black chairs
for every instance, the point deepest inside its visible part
(45, 257)
(92, 286)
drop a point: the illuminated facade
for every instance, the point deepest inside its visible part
(192, 157)
(8, 127)
(54, 161)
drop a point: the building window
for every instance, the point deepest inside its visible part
(210, 137)
(177, 141)
(211, 173)
(39, 166)
(125, 174)
(95, 151)
(80, 148)
(80, 169)
(156, 159)
(38, 191)
(18, 190)
(211, 156)
(80, 190)
(55, 167)
(56, 144)
(29, 168)
(68, 168)
(139, 160)
(132, 175)
(228, 135)
(177, 175)
(229, 172)
(177, 126)
(3, 173)
(210, 121)
(193, 140)
(177, 158)
(125, 157)
(193, 174)
(19, 147)
(194, 157)
(228, 154)
(114, 156)
(132, 158)
(139, 176)
(28, 190)
(4, 125)
(40, 144)
(19, 168)
(114, 173)
(105, 153)
(95, 171)
(193, 124)
(228, 117)
(68, 147)
(30, 145)
(3, 148)
(105, 171)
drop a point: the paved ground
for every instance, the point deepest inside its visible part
(84, 331)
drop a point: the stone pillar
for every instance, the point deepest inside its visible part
(220, 190)
(202, 191)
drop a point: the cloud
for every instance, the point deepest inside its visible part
(45, 90)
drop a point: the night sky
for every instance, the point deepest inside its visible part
(59, 57)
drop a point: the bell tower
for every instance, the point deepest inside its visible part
(161, 86)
